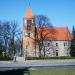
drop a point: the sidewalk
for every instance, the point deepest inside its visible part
(39, 62)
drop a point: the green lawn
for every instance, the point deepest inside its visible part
(63, 71)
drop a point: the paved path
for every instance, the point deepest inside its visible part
(35, 63)
(38, 63)
(50, 62)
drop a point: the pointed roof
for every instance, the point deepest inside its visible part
(28, 13)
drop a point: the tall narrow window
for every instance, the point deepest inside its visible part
(28, 25)
(48, 44)
(56, 52)
(56, 44)
(64, 44)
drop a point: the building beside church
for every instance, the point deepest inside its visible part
(57, 46)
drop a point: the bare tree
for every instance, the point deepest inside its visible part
(42, 23)
(14, 32)
(1, 40)
(19, 44)
(5, 32)
(10, 37)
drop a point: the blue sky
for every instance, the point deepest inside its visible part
(60, 12)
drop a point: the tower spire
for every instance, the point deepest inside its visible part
(29, 2)
(28, 12)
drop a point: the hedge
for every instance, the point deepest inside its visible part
(42, 58)
(5, 58)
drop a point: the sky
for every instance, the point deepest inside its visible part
(60, 12)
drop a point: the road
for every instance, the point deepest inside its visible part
(4, 65)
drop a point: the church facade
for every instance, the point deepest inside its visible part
(58, 46)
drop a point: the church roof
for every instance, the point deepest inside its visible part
(55, 34)
(28, 13)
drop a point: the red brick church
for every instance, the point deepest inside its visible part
(58, 46)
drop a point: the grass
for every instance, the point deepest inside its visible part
(62, 71)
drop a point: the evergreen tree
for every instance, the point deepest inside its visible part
(72, 52)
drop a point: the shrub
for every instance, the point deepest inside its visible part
(42, 58)
(5, 58)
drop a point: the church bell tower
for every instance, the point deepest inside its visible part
(28, 33)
